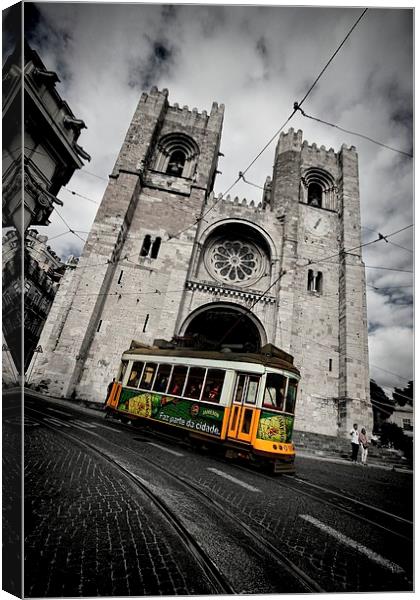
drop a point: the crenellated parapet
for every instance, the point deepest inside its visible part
(193, 118)
(229, 200)
(292, 140)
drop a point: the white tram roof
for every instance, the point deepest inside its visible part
(269, 355)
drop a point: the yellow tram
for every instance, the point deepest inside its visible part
(242, 402)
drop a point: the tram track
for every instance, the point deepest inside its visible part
(369, 514)
(342, 503)
(260, 546)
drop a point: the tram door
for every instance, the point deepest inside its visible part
(243, 411)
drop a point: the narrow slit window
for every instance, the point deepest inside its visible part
(330, 365)
(318, 282)
(120, 277)
(311, 281)
(146, 320)
(155, 248)
(146, 246)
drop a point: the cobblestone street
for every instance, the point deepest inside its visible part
(88, 533)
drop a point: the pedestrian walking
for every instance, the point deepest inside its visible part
(364, 444)
(354, 443)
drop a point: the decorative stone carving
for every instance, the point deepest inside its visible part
(235, 261)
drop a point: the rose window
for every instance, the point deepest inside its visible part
(235, 261)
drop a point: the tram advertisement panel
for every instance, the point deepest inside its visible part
(274, 427)
(174, 411)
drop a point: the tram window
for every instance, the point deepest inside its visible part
(240, 388)
(162, 378)
(251, 393)
(291, 396)
(148, 374)
(135, 374)
(246, 423)
(195, 382)
(176, 384)
(275, 388)
(214, 384)
(123, 368)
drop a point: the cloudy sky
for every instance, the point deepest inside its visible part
(257, 61)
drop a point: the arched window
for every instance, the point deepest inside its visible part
(318, 189)
(176, 163)
(315, 195)
(176, 155)
(155, 248)
(146, 245)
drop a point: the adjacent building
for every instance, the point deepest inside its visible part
(42, 273)
(167, 258)
(48, 141)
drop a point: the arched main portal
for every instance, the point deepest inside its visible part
(225, 325)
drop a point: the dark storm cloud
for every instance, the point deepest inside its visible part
(157, 64)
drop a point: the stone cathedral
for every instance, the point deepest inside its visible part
(166, 258)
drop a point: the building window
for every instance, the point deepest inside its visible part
(150, 249)
(155, 248)
(177, 155)
(146, 245)
(318, 189)
(314, 281)
(176, 163)
(315, 195)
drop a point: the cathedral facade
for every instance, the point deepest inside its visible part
(167, 258)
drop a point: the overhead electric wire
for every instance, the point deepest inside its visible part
(78, 194)
(70, 229)
(361, 135)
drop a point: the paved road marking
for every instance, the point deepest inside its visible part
(61, 412)
(84, 424)
(355, 545)
(55, 422)
(251, 488)
(375, 508)
(166, 449)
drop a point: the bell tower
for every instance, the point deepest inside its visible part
(131, 275)
(322, 318)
